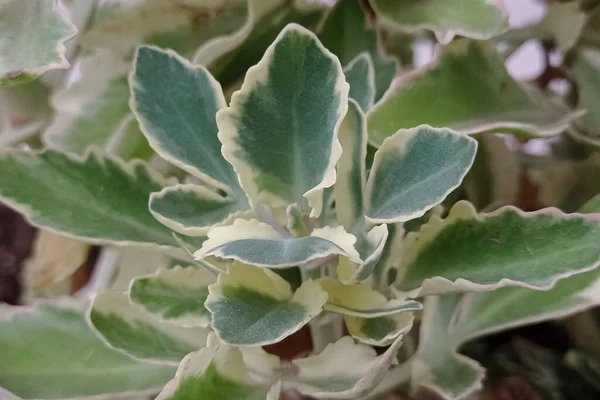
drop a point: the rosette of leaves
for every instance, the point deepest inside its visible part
(278, 187)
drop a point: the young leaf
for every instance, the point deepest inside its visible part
(92, 109)
(351, 170)
(175, 295)
(176, 104)
(229, 57)
(478, 19)
(255, 306)
(360, 74)
(470, 252)
(327, 375)
(193, 209)
(127, 327)
(49, 351)
(259, 244)
(97, 198)
(371, 248)
(347, 33)
(379, 331)
(32, 39)
(490, 100)
(415, 170)
(215, 372)
(280, 131)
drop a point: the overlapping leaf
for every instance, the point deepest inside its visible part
(490, 100)
(585, 67)
(254, 306)
(49, 351)
(360, 74)
(478, 19)
(467, 252)
(32, 39)
(280, 131)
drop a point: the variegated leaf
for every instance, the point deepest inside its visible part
(175, 295)
(229, 57)
(53, 343)
(92, 109)
(414, 170)
(176, 104)
(360, 74)
(379, 331)
(509, 247)
(255, 306)
(280, 131)
(491, 100)
(371, 248)
(193, 209)
(260, 244)
(478, 19)
(327, 375)
(585, 65)
(32, 39)
(216, 372)
(347, 33)
(128, 328)
(97, 198)
(128, 142)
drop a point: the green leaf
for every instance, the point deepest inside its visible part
(129, 142)
(255, 306)
(91, 110)
(347, 33)
(591, 206)
(360, 74)
(478, 19)
(192, 209)
(176, 104)
(585, 68)
(327, 375)
(48, 351)
(490, 100)
(128, 328)
(32, 39)
(371, 248)
(259, 244)
(509, 247)
(437, 364)
(379, 331)
(175, 295)
(280, 131)
(229, 57)
(215, 372)
(351, 172)
(97, 198)
(414, 170)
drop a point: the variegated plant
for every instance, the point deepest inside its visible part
(301, 193)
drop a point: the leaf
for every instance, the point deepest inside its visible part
(327, 375)
(280, 130)
(490, 100)
(228, 57)
(379, 331)
(259, 244)
(128, 328)
(129, 142)
(347, 33)
(175, 295)
(251, 306)
(33, 39)
(437, 364)
(215, 372)
(93, 108)
(175, 103)
(192, 209)
(414, 170)
(54, 259)
(562, 23)
(360, 74)
(591, 206)
(98, 199)
(48, 351)
(508, 247)
(585, 67)
(170, 24)
(478, 19)
(351, 171)
(371, 250)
